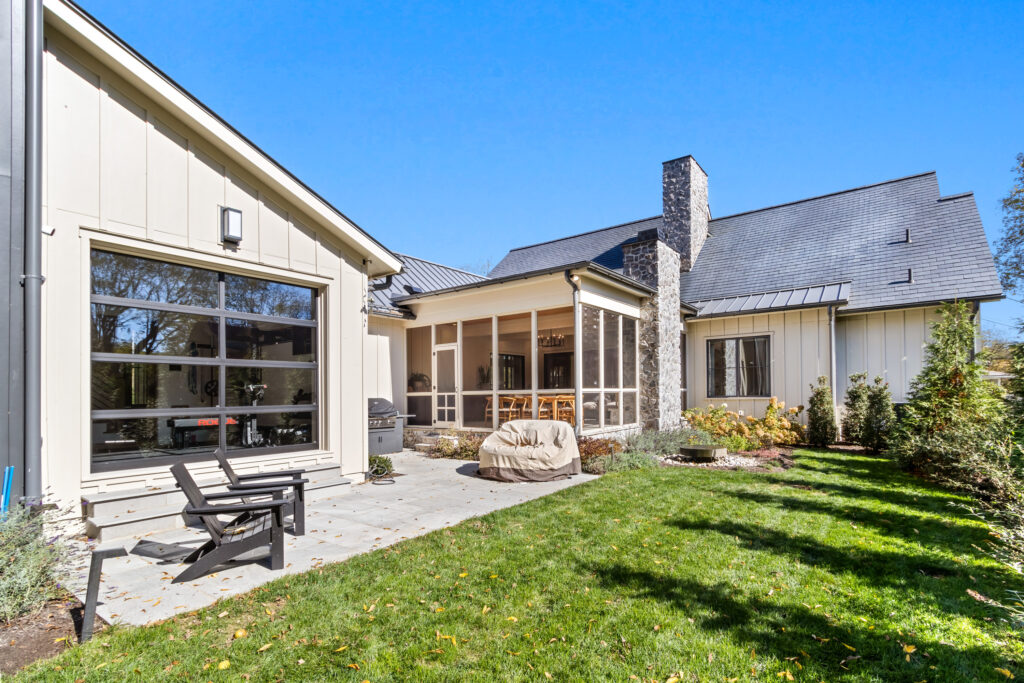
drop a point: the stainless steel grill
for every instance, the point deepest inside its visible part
(385, 426)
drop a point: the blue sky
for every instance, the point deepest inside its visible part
(455, 132)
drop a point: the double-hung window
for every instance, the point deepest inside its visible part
(739, 366)
(186, 360)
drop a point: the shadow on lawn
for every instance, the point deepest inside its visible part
(774, 628)
(927, 576)
(929, 531)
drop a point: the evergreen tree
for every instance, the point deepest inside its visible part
(1015, 392)
(821, 416)
(880, 417)
(855, 408)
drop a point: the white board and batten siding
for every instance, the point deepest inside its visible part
(384, 368)
(798, 348)
(887, 344)
(121, 173)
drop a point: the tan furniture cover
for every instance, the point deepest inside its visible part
(530, 450)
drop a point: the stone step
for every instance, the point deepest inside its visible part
(424, 447)
(149, 518)
(130, 500)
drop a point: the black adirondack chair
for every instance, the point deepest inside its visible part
(256, 524)
(295, 488)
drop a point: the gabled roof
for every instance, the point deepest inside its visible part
(783, 299)
(106, 47)
(856, 236)
(421, 275)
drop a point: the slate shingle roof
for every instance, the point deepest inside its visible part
(425, 275)
(856, 235)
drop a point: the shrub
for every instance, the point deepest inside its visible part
(630, 460)
(28, 562)
(458, 445)
(592, 448)
(880, 418)
(821, 415)
(669, 442)
(954, 428)
(1015, 393)
(734, 443)
(855, 408)
(778, 426)
(380, 466)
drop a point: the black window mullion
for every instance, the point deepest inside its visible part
(222, 371)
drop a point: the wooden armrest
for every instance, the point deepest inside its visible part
(248, 492)
(239, 507)
(286, 483)
(270, 475)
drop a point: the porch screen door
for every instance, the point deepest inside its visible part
(446, 389)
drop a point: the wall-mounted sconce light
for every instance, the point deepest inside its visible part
(230, 224)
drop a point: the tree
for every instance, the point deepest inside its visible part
(821, 415)
(855, 408)
(1010, 248)
(880, 417)
(998, 350)
(1015, 392)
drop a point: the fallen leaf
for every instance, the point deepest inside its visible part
(463, 575)
(910, 649)
(264, 648)
(850, 647)
(1005, 672)
(785, 674)
(224, 665)
(342, 648)
(241, 633)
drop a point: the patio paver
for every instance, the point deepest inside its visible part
(430, 494)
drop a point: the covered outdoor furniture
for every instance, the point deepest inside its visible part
(256, 524)
(530, 450)
(290, 481)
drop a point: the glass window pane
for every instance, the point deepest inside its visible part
(133, 277)
(514, 352)
(629, 408)
(629, 342)
(753, 366)
(591, 411)
(419, 411)
(252, 295)
(270, 386)
(476, 355)
(267, 430)
(119, 329)
(121, 386)
(446, 370)
(591, 347)
(612, 408)
(447, 333)
(418, 360)
(145, 437)
(555, 344)
(611, 350)
(258, 340)
(477, 411)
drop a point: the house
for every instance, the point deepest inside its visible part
(173, 290)
(624, 327)
(197, 295)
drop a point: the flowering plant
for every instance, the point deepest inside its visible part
(778, 426)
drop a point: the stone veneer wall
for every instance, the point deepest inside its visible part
(684, 186)
(654, 263)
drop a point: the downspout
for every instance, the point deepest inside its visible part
(382, 285)
(32, 280)
(832, 365)
(577, 343)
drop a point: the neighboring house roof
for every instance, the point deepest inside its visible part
(856, 236)
(82, 28)
(418, 274)
(801, 297)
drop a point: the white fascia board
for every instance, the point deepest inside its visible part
(111, 53)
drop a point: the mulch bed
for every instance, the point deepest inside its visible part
(41, 634)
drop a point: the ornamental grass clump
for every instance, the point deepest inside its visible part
(29, 561)
(458, 446)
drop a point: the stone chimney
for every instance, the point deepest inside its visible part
(684, 194)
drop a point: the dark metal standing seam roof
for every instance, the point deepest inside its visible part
(424, 275)
(857, 235)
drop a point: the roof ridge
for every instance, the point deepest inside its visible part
(439, 265)
(763, 292)
(581, 234)
(828, 194)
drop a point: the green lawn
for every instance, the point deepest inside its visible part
(840, 568)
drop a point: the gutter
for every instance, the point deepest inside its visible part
(577, 343)
(32, 279)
